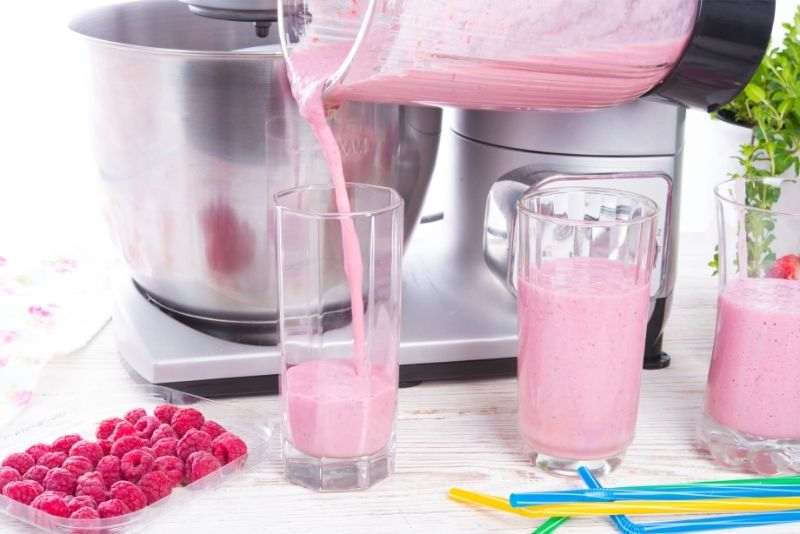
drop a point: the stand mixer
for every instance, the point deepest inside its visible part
(189, 168)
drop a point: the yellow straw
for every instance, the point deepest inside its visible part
(749, 504)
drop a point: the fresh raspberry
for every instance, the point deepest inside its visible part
(149, 451)
(21, 461)
(135, 464)
(87, 449)
(126, 444)
(108, 467)
(165, 412)
(186, 418)
(134, 415)
(81, 501)
(146, 425)
(8, 474)
(106, 445)
(65, 443)
(51, 504)
(165, 447)
(36, 473)
(200, 464)
(36, 451)
(163, 431)
(130, 494)
(123, 428)
(78, 465)
(787, 267)
(92, 485)
(23, 491)
(193, 441)
(106, 427)
(228, 447)
(156, 485)
(112, 508)
(84, 512)
(53, 459)
(59, 479)
(213, 429)
(172, 466)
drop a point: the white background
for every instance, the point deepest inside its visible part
(48, 186)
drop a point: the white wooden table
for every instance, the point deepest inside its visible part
(460, 433)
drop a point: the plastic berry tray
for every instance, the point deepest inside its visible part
(51, 415)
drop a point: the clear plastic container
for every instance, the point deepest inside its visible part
(52, 415)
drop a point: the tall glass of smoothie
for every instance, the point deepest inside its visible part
(752, 406)
(339, 284)
(583, 262)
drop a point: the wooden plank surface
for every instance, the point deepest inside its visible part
(461, 433)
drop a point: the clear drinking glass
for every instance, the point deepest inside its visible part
(752, 406)
(583, 263)
(339, 372)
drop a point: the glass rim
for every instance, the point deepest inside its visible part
(395, 201)
(650, 204)
(727, 200)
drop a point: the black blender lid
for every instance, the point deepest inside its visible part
(727, 45)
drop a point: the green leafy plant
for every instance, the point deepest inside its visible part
(770, 105)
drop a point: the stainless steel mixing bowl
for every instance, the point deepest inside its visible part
(195, 129)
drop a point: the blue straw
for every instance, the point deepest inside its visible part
(622, 523)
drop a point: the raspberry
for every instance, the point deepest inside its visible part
(228, 447)
(81, 501)
(84, 512)
(87, 449)
(53, 459)
(130, 494)
(200, 464)
(172, 466)
(163, 431)
(165, 447)
(193, 441)
(212, 428)
(51, 504)
(36, 451)
(156, 485)
(112, 508)
(59, 479)
(23, 491)
(146, 425)
(64, 443)
(36, 473)
(105, 444)
(186, 418)
(123, 428)
(165, 412)
(135, 464)
(78, 465)
(134, 415)
(21, 461)
(8, 474)
(787, 267)
(92, 485)
(106, 427)
(108, 467)
(126, 444)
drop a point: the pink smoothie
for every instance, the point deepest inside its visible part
(754, 378)
(334, 412)
(582, 324)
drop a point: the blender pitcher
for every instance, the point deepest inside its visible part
(518, 54)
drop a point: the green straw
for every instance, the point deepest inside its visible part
(554, 522)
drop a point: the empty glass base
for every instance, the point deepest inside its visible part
(747, 452)
(337, 474)
(567, 467)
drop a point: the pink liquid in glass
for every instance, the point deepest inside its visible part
(582, 324)
(754, 378)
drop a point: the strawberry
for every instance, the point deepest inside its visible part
(787, 267)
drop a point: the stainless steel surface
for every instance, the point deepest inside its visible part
(180, 113)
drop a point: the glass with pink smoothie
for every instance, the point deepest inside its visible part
(339, 283)
(583, 261)
(752, 406)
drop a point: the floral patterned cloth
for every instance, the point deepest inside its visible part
(48, 307)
